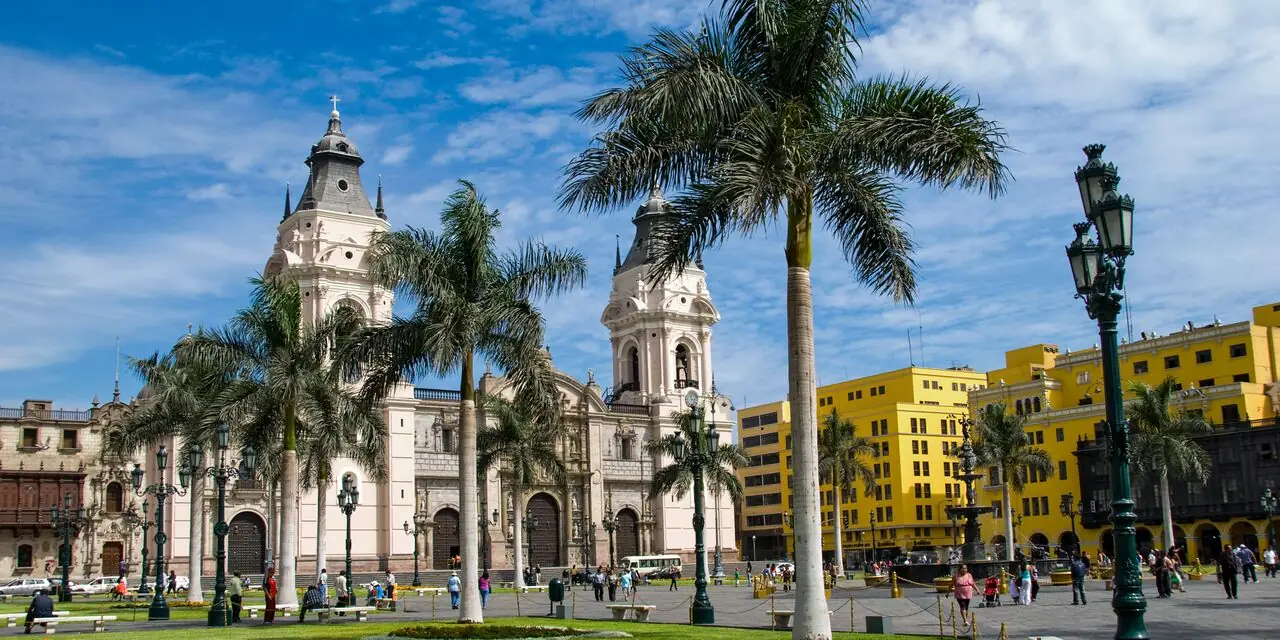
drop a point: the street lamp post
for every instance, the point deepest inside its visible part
(419, 528)
(610, 525)
(1069, 509)
(588, 530)
(753, 548)
(873, 536)
(699, 455)
(348, 500)
(790, 521)
(161, 490)
(221, 472)
(130, 521)
(715, 399)
(484, 527)
(1097, 269)
(1269, 505)
(67, 522)
(143, 587)
(530, 525)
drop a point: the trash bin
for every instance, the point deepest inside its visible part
(555, 592)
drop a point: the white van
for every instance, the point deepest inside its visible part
(646, 565)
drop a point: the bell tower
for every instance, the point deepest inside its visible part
(323, 243)
(660, 330)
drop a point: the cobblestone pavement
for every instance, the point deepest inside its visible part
(1202, 613)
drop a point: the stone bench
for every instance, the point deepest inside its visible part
(539, 588)
(362, 613)
(51, 624)
(387, 604)
(13, 618)
(423, 591)
(285, 610)
(639, 612)
(782, 619)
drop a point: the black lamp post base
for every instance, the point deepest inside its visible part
(702, 614)
(218, 614)
(159, 608)
(417, 582)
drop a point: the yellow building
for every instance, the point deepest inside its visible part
(913, 415)
(1226, 372)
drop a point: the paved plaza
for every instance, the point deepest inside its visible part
(1202, 613)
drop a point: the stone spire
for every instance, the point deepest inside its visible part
(617, 253)
(288, 203)
(334, 183)
(381, 213)
(115, 394)
(641, 249)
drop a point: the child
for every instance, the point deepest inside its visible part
(991, 590)
(736, 577)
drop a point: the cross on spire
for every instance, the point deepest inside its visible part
(335, 100)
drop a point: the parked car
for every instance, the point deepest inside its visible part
(101, 584)
(183, 583)
(26, 586)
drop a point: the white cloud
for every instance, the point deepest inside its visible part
(397, 6)
(444, 61)
(635, 18)
(397, 154)
(219, 191)
(501, 134)
(532, 87)
(455, 21)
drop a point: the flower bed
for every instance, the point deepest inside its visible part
(495, 632)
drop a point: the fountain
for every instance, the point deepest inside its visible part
(970, 511)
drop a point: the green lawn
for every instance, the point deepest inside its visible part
(644, 631)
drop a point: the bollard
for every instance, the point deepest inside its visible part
(940, 628)
(851, 629)
(573, 613)
(433, 606)
(894, 590)
(955, 631)
(1004, 582)
(973, 630)
(1004, 633)
(518, 602)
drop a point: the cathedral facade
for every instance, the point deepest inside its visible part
(660, 336)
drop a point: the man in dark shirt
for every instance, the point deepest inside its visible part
(41, 607)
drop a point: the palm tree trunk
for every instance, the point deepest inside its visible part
(1166, 507)
(1008, 519)
(273, 523)
(322, 528)
(195, 546)
(288, 574)
(517, 535)
(811, 619)
(839, 534)
(470, 611)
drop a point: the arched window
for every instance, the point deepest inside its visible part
(633, 358)
(24, 556)
(1018, 407)
(682, 366)
(1035, 403)
(115, 498)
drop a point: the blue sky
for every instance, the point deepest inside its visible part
(144, 150)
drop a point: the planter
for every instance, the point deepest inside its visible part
(875, 581)
(1196, 576)
(1060, 578)
(943, 584)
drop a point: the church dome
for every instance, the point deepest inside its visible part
(334, 140)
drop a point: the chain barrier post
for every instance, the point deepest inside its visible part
(955, 631)
(941, 636)
(894, 590)
(1004, 582)
(851, 614)
(518, 603)
(973, 630)
(1004, 632)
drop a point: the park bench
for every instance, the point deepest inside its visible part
(782, 619)
(387, 604)
(13, 618)
(285, 610)
(51, 624)
(506, 585)
(423, 591)
(639, 612)
(362, 613)
(533, 587)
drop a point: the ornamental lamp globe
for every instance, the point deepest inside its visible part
(713, 439)
(184, 476)
(678, 446)
(136, 477)
(195, 460)
(406, 526)
(224, 436)
(348, 483)
(162, 458)
(1085, 259)
(1113, 216)
(1089, 177)
(250, 458)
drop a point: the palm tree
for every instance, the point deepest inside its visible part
(677, 478)
(336, 423)
(469, 300)
(1002, 443)
(179, 401)
(760, 116)
(523, 446)
(842, 459)
(281, 362)
(1164, 443)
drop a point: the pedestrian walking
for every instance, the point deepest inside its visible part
(597, 583)
(964, 587)
(1269, 562)
(1247, 563)
(484, 590)
(235, 591)
(1078, 573)
(675, 577)
(1024, 591)
(391, 585)
(627, 585)
(1228, 570)
(455, 590)
(323, 584)
(124, 569)
(613, 586)
(173, 582)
